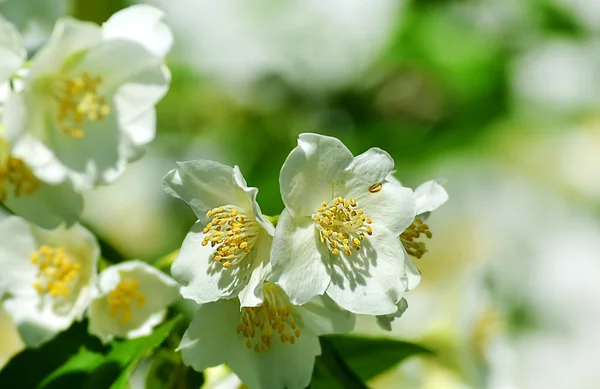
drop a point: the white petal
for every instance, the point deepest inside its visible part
(299, 259)
(323, 316)
(392, 207)
(252, 194)
(385, 321)
(121, 62)
(412, 275)
(205, 185)
(143, 24)
(429, 196)
(69, 37)
(370, 281)
(10, 340)
(367, 169)
(307, 176)
(281, 366)
(12, 52)
(49, 206)
(251, 294)
(36, 326)
(16, 245)
(204, 279)
(40, 159)
(211, 336)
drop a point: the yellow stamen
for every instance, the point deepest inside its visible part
(57, 273)
(340, 223)
(16, 174)
(232, 231)
(411, 234)
(272, 320)
(79, 100)
(123, 298)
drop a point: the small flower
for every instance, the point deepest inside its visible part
(339, 231)
(87, 103)
(131, 299)
(269, 346)
(428, 197)
(47, 275)
(226, 253)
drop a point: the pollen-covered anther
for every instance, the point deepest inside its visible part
(271, 321)
(342, 225)
(15, 174)
(123, 298)
(232, 231)
(79, 100)
(57, 273)
(412, 234)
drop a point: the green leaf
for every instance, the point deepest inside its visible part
(331, 371)
(90, 369)
(369, 357)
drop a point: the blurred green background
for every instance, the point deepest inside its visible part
(499, 97)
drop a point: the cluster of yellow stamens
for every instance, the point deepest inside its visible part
(121, 300)
(14, 172)
(232, 231)
(79, 100)
(410, 236)
(57, 272)
(342, 226)
(272, 320)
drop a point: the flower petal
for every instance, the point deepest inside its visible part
(205, 280)
(205, 185)
(16, 245)
(307, 176)
(429, 196)
(385, 321)
(370, 281)
(211, 336)
(367, 169)
(142, 24)
(49, 206)
(251, 294)
(323, 316)
(392, 207)
(12, 52)
(297, 258)
(413, 276)
(252, 194)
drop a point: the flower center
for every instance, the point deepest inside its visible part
(273, 319)
(56, 274)
(125, 296)
(78, 101)
(232, 231)
(342, 226)
(14, 172)
(410, 236)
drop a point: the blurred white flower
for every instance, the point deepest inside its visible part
(271, 346)
(87, 103)
(10, 340)
(226, 253)
(339, 231)
(47, 276)
(559, 76)
(314, 45)
(131, 299)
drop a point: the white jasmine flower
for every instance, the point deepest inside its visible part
(270, 346)
(428, 197)
(339, 231)
(47, 276)
(226, 253)
(87, 104)
(131, 299)
(20, 190)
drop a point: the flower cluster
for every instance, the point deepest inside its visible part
(78, 111)
(71, 118)
(341, 247)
